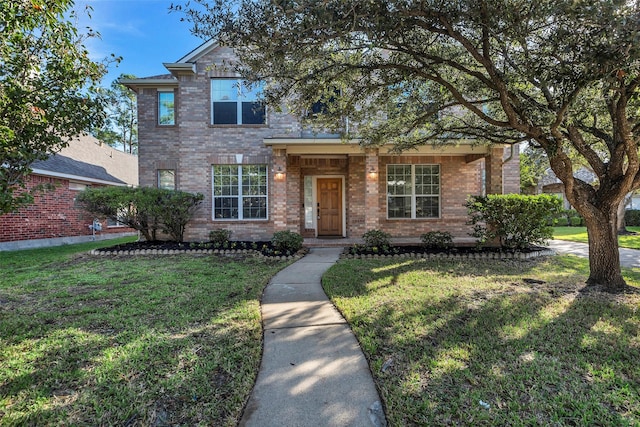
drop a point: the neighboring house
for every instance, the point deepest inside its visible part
(262, 171)
(54, 219)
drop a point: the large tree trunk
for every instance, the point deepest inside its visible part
(604, 257)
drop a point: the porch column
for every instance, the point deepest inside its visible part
(493, 170)
(279, 190)
(371, 194)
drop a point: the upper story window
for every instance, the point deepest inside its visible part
(166, 108)
(233, 102)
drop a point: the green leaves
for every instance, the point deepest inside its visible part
(47, 84)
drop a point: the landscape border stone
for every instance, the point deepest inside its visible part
(454, 256)
(104, 252)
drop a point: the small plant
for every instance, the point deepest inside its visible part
(437, 240)
(287, 241)
(377, 238)
(219, 237)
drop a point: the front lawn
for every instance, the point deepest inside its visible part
(579, 234)
(494, 342)
(172, 340)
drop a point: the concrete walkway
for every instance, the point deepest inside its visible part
(629, 258)
(313, 372)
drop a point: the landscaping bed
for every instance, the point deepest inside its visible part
(458, 252)
(264, 248)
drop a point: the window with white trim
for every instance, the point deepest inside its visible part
(166, 108)
(413, 191)
(234, 102)
(239, 192)
(167, 179)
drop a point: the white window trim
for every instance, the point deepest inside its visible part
(413, 192)
(238, 102)
(171, 91)
(239, 196)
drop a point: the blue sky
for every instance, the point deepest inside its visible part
(143, 32)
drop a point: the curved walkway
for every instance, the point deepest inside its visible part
(313, 372)
(629, 258)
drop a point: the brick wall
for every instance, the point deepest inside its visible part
(194, 145)
(53, 214)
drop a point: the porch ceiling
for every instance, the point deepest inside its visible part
(301, 146)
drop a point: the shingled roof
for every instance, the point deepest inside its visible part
(62, 166)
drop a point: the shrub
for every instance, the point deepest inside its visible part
(575, 221)
(177, 208)
(562, 221)
(437, 240)
(632, 217)
(377, 239)
(144, 209)
(220, 237)
(515, 221)
(287, 241)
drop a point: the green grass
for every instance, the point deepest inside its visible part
(173, 340)
(579, 234)
(443, 336)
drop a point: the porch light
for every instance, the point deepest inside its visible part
(372, 172)
(279, 173)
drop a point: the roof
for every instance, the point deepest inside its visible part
(66, 167)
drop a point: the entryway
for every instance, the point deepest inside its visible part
(329, 207)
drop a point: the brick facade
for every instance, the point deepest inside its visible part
(193, 145)
(53, 214)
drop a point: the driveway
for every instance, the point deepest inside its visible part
(629, 258)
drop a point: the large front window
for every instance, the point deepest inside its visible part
(239, 192)
(413, 191)
(233, 102)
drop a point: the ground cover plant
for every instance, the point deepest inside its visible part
(579, 234)
(171, 340)
(494, 342)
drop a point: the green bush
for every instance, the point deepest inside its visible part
(437, 240)
(575, 221)
(287, 241)
(515, 221)
(632, 218)
(562, 221)
(220, 237)
(144, 209)
(377, 239)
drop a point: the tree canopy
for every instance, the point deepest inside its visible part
(560, 74)
(120, 129)
(46, 82)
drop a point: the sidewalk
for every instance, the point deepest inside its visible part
(313, 372)
(629, 258)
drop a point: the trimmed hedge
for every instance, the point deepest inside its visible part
(515, 221)
(632, 217)
(144, 209)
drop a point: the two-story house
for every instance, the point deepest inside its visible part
(261, 171)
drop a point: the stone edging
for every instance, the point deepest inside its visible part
(454, 256)
(223, 252)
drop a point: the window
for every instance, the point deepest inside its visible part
(167, 179)
(239, 192)
(413, 191)
(166, 109)
(234, 103)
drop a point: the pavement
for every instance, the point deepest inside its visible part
(629, 258)
(313, 371)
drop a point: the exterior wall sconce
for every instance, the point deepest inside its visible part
(279, 174)
(372, 173)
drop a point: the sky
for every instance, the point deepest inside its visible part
(142, 32)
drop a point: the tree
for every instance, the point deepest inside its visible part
(533, 166)
(46, 84)
(120, 128)
(558, 73)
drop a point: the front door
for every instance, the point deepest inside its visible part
(329, 206)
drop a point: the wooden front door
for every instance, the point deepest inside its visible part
(329, 206)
